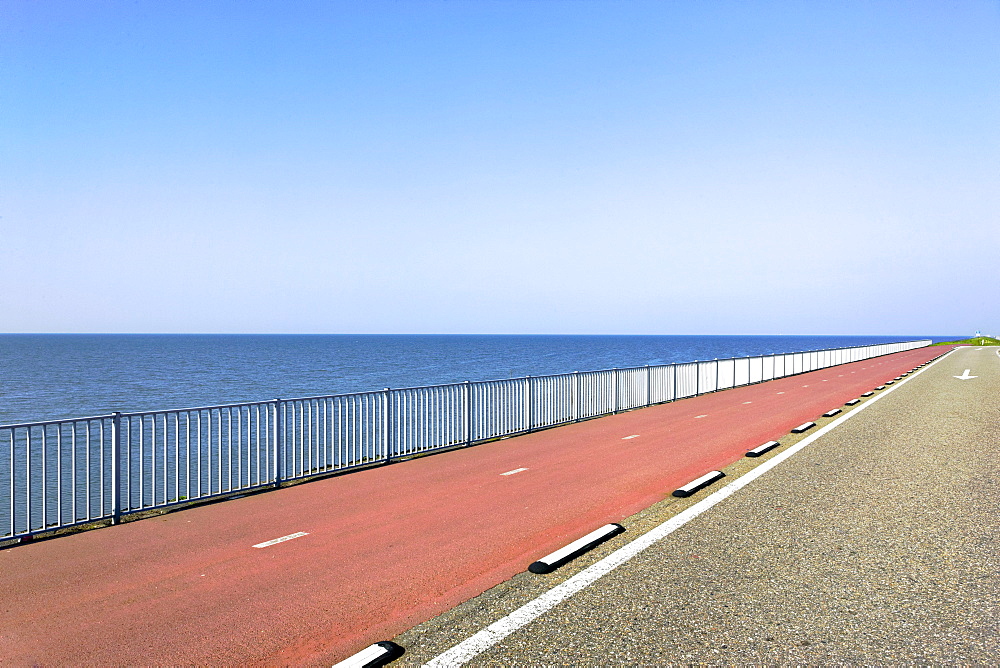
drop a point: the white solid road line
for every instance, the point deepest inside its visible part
(290, 536)
(475, 645)
(514, 471)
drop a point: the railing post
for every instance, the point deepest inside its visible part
(116, 469)
(576, 396)
(697, 378)
(614, 405)
(717, 374)
(277, 447)
(387, 424)
(674, 398)
(526, 414)
(467, 411)
(649, 387)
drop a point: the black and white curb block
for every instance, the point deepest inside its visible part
(698, 484)
(852, 402)
(880, 387)
(831, 412)
(805, 426)
(761, 449)
(575, 549)
(889, 382)
(378, 654)
(867, 394)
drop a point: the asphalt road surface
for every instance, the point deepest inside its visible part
(874, 543)
(373, 553)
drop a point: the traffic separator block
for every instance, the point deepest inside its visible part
(698, 484)
(805, 426)
(852, 402)
(761, 449)
(549, 563)
(372, 656)
(831, 412)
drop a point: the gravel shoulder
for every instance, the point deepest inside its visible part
(875, 544)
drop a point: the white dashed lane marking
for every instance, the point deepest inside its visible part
(747, 402)
(632, 436)
(514, 471)
(290, 536)
(700, 416)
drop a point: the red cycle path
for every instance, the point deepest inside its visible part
(388, 547)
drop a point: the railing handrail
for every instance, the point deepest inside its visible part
(242, 404)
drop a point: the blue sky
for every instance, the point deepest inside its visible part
(500, 167)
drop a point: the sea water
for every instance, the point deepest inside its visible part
(53, 376)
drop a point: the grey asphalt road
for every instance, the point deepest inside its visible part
(875, 544)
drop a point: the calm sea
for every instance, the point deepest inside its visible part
(50, 376)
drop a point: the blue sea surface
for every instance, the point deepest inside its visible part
(54, 376)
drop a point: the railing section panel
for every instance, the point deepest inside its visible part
(497, 408)
(633, 388)
(54, 474)
(741, 371)
(597, 393)
(662, 384)
(324, 434)
(708, 376)
(170, 457)
(427, 418)
(727, 373)
(687, 379)
(552, 400)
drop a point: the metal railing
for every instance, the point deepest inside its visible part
(62, 473)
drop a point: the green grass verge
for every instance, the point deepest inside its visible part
(978, 341)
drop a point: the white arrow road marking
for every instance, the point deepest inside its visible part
(966, 376)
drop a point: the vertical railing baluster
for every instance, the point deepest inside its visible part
(467, 412)
(387, 424)
(116, 463)
(277, 444)
(526, 415)
(576, 396)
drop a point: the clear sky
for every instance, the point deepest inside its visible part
(668, 167)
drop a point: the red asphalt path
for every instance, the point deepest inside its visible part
(388, 547)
